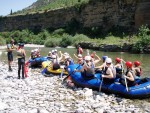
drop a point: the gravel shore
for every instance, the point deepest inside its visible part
(40, 94)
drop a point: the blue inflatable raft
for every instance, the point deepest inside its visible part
(37, 62)
(142, 90)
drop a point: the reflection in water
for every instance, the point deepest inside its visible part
(143, 58)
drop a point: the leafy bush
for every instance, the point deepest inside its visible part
(79, 38)
(51, 42)
(66, 40)
(144, 39)
(59, 31)
(2, 41)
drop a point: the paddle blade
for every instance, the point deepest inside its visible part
(62, 72)
(43, 71)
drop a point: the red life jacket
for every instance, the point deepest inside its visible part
(80, 50)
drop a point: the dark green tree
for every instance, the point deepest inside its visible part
(11, 12)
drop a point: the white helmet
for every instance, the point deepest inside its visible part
(108, 60)
(53, 51)
(67, 56)
(79, 55)
(50, 52)
(88, 58)
(32, 51)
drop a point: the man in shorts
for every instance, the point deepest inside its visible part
(10, 48)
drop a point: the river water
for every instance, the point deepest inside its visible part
(143, 58)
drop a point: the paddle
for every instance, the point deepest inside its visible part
(124, 77)
(102, 78)
(71, 72)
(62, 72)
(44, 70)
(100, 87)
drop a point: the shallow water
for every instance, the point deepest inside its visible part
(143, 58)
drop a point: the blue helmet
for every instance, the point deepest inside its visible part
(104, 57)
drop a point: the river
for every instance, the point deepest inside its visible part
(143, 58)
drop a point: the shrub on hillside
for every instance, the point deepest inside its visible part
(2, 41)
(78, 38)
(59, 31)
(144, 41)
(51, 42)
(66, 41)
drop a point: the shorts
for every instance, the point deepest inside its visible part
(10, 56)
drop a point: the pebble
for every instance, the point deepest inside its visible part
(38, 93)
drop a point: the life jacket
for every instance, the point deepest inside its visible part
(80, 50)
(139, 73)
(71, 62)
(11, 47)
(89, 73)
(130, 83)
(119, 70)
(104, 70)
(20, 54)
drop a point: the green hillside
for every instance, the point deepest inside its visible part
(44, 5)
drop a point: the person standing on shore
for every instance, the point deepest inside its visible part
(21, 60)
(10, 48)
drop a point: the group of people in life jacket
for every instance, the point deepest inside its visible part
(109, 71)
(59, 58)
(35, 53)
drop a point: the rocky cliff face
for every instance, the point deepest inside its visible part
(105, 14)
(142, 14)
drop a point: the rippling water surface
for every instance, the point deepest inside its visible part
(143, 58)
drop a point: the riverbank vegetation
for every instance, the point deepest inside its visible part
(61, 37)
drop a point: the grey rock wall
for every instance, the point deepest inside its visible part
(129, 14)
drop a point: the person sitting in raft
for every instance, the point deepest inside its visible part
(96, 59)
(118, 67)
(137, 69)
(87, 70)
(49, 55)
(68, 61)
(109, 72)
(129, 75)
(99, 68)
(93, 54)
(55, 61)
(79, 58)
(32, 54)
(36, 53)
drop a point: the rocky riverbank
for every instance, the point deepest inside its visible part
(39, 94)
(113, 48)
